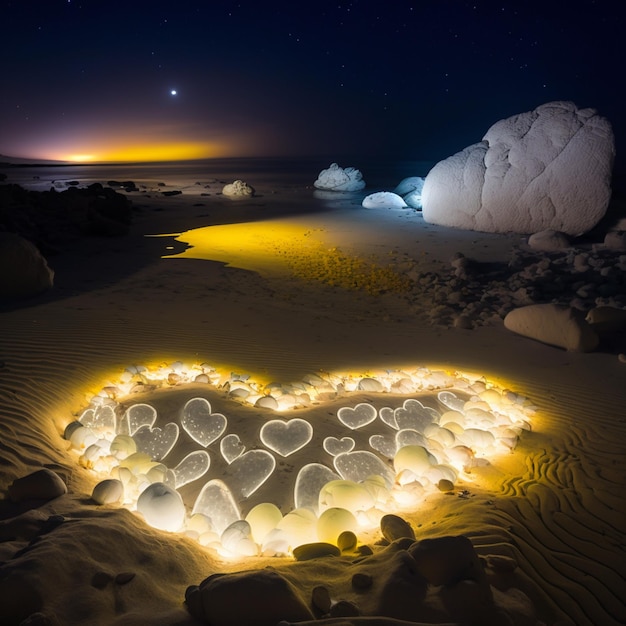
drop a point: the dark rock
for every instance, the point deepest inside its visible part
(394, 527)
(174, 192)
(309, 551)
(43, 484)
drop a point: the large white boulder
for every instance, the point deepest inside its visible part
(23, 270)
(337, 178)
(547, 169)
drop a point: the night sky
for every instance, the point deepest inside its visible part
(94, 79)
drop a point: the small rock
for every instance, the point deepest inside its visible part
(320, 599)
(346, 541)
(108, 491)
(124, 577)
(43, 484)
(445, 485)
(308, 551)
(362, 581)
(394, 527)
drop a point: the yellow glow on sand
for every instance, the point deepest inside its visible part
(277, 248)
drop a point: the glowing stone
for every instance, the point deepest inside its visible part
(357, 417)
(123, 446)
(193, 466)
(477, 439)
(334, 446)
(156, 442)
(101, 420)
(385, 444)
(409, 437)
(414, 458)
(248, 472)
(286, 437)
(263, 518)
(451, 400)
(345, 494)
(310, 480)
(200, 423)
(108, 491)
(139, 415)
(82, 437)
(414, 415)
(216, 502)
(231, 448)
(357, 466)
(332, 522)
(162, 507)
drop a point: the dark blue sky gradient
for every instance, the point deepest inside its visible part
(396, 78)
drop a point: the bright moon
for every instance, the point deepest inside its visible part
(173, 92)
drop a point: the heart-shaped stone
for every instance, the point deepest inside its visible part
(359, 465)
(216, 502)
(388, 416)
(309, 482)
(101, 420)
(156, 442)
(414, 415)
(409, 437)
(193, 466)
(200, 423)
(139, 415)
(451, 400)
(231, 448)
(357, 417)
(248, 472)
(385, 444)
(335, 446)
(286, 437)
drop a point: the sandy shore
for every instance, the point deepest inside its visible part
(252, 297)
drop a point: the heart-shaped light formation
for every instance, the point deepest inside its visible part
(403, 451)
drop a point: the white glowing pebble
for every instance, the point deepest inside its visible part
(478, 439)
(385, 444)
(384, 200)
(108, 491)
(405, 477)
(370, 384)
(357, 466)
(492, 397)
(345, 494)
(335, 446)
(332, 522)
(123, 446)
(139, 415)
(378, 489)
(460, 456)
(216, 502)
(263, 518)
(209, 539)
(234, 534)
(451, 416)
(276, 544)
(286, 437)
(200, 423)
(157, 442)
(199, 523)
(310, 480)
(480, 418)
(162, 507)
(156, 473)
(137, 463)
(267, 402)
(82, 438)
(414, 458)
(300, 527)
(193, 466)
(357, 417)
(443, 435)
(70, 428)
(440, 472)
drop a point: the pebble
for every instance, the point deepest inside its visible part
(108, 491)
(344, 608)
(347, 541)
(308, 551)
(320, 599)
(445, 485)
(394, 527)
(44, 484)
(362, 581)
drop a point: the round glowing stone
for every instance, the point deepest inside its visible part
(345, 494)
(263, 518)
(162, 507)
(332, 522)
(108, 491)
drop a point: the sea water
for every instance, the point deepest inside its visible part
(379, 174)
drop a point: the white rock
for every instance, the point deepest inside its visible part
(547, 169)
(548, 241)
(108, 491)
(162, 507)
(411, 191)
(336, 178)
(554, 325)
(384, 200)
(23, 270)
(238, 189)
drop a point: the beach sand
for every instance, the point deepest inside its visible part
(287, 284)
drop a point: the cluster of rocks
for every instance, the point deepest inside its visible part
(468, 293)
(336, 178)
(49, 219)
(439, 580)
